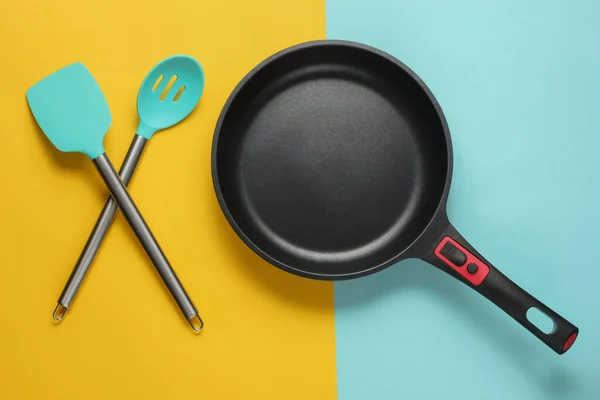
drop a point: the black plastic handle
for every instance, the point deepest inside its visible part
(454, 255)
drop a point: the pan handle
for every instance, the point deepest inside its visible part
(454, 255)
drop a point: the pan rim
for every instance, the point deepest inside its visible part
(441, 206)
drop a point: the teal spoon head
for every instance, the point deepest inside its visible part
(169, 93)
(71, 110)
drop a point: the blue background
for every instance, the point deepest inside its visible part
(519, 82)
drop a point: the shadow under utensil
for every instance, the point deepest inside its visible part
(539, 363)
(280, 284)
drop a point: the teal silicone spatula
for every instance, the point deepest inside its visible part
(71, 110)
(168, 94)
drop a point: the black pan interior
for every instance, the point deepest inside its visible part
(329, 160)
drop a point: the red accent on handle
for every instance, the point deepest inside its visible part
(482, 269)
(569, 342)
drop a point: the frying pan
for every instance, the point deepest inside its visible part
(332, 160)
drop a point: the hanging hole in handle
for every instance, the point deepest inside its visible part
(541, 320)
(196, 323)
(59, 312)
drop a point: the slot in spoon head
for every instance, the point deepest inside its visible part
(169, 93)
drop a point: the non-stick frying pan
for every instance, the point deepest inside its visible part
(332, 160)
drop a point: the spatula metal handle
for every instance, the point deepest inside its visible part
(99, 232)
(139, 226)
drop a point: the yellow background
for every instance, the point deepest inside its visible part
(268, 334)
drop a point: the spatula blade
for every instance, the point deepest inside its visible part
(70, 108)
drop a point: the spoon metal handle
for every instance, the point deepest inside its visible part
(99, 232)
(141, 230)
